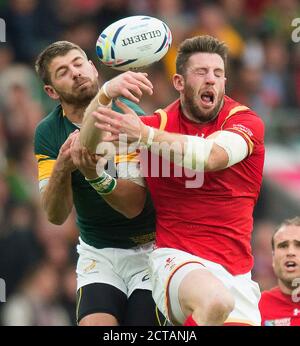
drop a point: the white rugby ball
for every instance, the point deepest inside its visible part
(133, 43)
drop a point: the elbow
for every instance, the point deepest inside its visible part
(133, 212)
(56, 220)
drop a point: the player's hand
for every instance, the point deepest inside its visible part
(64, 162)
(117, 124)
(129, 84)
(90, 165)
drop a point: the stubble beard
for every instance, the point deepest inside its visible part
(195, 111)
(79, 98)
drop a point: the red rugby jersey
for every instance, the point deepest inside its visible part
(213, 221)
(279, 309)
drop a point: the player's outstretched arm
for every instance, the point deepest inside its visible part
(57, 196)
(127, 196)
(218, 151)
(130, 85)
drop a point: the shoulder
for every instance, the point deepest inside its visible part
(241, 119)
(271, 294)
(231, 109)
(49, 122)
(45, 137)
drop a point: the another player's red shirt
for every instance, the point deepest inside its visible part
(278, 309)
(213, 221)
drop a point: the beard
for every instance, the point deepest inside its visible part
(285, 278)
(79, 96)
(195, 111)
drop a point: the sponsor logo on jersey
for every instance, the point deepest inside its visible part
(279, 322)
(145, 277)
(90, 267)
(170, 263)
(296, 312)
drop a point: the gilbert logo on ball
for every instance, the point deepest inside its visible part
(133, 43)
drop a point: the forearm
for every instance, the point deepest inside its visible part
(196, 153)
(124, 195)
(57, 199)
(90, 136)
(128, 198)
(170, 146)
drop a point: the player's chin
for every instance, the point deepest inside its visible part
(291, 275)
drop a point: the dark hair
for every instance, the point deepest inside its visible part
(288, 222)
(199, 44)
(59, 48)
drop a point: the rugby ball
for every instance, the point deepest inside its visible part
(133, 43)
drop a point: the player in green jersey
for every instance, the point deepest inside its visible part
(112, 277)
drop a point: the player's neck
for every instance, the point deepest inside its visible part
(73, 113)
(285, 289)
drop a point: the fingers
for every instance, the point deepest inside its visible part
(110, 138)
(87, 159)
(104, 127)
(144, 82)
(124, 107)
(111, 124)
(69, 140)
(131, 85)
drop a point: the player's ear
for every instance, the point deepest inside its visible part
(273, 260)
(178, 82)
(50, 91)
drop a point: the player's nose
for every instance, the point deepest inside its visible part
(210, 78)
(75, 72)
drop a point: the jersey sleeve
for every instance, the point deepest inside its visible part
(45, 153)
(248, 125)
(151, 120)
(139, 111)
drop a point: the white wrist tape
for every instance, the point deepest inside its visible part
(104, 89)
(234, 145)
(198, 149)
(196, 153)
(150, 137)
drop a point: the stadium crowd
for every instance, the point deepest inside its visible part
(37, 259)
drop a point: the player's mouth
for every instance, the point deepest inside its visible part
(81, 83)
(207, 99)
(290, 266)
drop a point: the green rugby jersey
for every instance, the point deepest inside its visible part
(99, 224)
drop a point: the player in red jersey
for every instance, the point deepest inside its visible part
(201, 267)
(281, 305)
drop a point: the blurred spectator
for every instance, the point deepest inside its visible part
(171, 11)
(262, 252)
(30, 25)
(85, 33)
(211, 20)
(274, 77)
(19, 248)
(69, 286)
(278, 17)
(36, 303)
